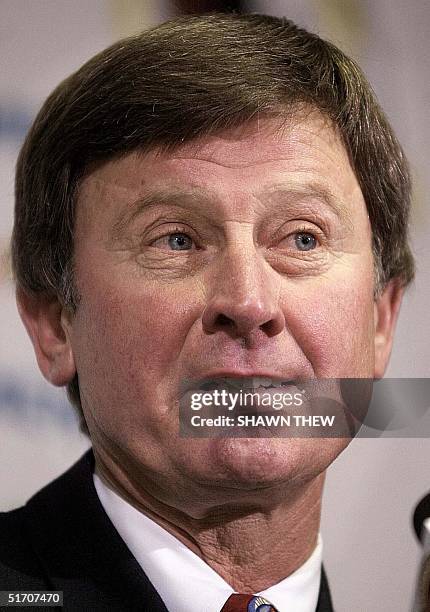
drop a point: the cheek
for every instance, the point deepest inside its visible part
(126, 339)
(334, 328)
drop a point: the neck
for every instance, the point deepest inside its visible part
(251, 546)
(257, 549)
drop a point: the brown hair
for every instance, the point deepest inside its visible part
(186, 78)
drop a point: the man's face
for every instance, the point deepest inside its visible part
(244, 253)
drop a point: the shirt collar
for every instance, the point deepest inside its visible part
(183, 580)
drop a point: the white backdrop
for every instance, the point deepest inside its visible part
(370, 551)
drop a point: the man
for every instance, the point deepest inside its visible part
(219, 198)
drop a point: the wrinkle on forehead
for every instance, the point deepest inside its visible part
(226, 148)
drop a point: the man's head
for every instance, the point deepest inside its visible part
(218, 194)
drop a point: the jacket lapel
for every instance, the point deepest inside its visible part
(324, 599)
(80, 550)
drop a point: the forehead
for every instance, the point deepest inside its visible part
(265, 140)
(250, 161)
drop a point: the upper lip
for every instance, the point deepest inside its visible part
(224, 375)
(243, 374)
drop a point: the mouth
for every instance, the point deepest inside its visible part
(248, 383)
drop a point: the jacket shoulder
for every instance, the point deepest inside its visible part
(27, 532)
(19, 565)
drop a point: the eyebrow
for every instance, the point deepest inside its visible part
(153, 199)
(181, 196)
(313, 190)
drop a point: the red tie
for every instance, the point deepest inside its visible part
(247, 603)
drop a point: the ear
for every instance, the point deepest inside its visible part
(48, 323)
(386, 311)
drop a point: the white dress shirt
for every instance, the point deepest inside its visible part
(183, 580)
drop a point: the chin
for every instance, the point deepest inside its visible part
(264, 462)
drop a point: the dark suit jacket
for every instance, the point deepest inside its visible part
(63, 540)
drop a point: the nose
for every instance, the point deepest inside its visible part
(244, 297)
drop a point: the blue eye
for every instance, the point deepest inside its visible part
(305, 241)
(180, 241)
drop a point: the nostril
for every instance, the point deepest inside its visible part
(267, 327)
(274, 325)
(223, 320)
(239, 320)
